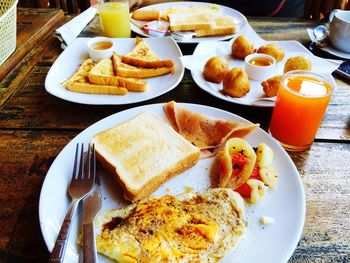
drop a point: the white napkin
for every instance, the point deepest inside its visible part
(69, 31)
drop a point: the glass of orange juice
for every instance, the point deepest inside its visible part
(114, 18)
(300, 105)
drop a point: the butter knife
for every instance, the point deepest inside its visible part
(92, 204)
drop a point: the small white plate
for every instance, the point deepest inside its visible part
(70, 59)
(255, 97)
(272, 243)
(241, 19)
(332, 50)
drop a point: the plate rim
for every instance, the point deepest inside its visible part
(335, 52)
(52, 90)
(301, 219)
(136, 30)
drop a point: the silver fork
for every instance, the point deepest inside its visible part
(81, 185)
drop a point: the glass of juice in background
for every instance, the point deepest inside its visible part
(114, 18)
(300, 105)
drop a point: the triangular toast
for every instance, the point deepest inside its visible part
(103, 73)
(142, 56)
(79, 82)
(128, 71)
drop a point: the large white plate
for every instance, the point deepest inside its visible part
(70, 59)
(273, 243)
(241, 19)
(292, 48)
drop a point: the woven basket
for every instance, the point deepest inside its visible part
(7, 28)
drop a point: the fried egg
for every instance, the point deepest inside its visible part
(192, 227)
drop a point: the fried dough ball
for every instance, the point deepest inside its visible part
(215, 69)
(236, 83)
(241, 47)
(271, 86)
(297, 63)
(272, 50)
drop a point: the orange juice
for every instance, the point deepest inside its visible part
(115, 18)
(300, 105)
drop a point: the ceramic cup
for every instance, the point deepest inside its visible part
(106, 50)
(259, 71)
(339, 30)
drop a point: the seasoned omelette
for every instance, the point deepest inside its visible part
(192, 227)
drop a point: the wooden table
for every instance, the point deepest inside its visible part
(35, 126)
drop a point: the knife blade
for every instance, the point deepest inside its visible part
(92, 204)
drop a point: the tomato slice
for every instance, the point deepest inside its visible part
(238, 162)
(244, 190)
(255, 173)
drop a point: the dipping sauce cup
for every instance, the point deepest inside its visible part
(100, 47)
(259, 66)
(300, 105)
(115, 18)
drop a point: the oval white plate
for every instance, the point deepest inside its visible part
(70, 59)
(242, 21)
(273, 243)
(255, 97)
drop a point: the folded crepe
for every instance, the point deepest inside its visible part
(207, 133)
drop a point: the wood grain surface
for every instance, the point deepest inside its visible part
(32, 26)
(35, 126)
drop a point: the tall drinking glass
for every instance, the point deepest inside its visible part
(115, 18)
(300, 105)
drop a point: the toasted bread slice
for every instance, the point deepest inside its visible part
(96, 89)
(156, 14)
(142, 56)
(223, 25)
(148, 15)
(79, 82)
(207, 8)
(143, 153)
(80, 76)
(129, 71)
(190, 21)
(103, 73)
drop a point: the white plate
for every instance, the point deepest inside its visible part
(242, 21)
(70, 59)
(292, 48)
(273, 243)
(332, 50)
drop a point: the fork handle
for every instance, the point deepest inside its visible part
(89, 244)
(58, 252)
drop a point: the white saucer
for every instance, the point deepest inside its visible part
(332, 50)
(329, 49)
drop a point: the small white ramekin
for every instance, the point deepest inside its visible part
(259, 72)
(97, 55)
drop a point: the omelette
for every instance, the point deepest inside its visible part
(191, 227)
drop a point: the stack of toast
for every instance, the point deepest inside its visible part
(204, 20)
(119, 74)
